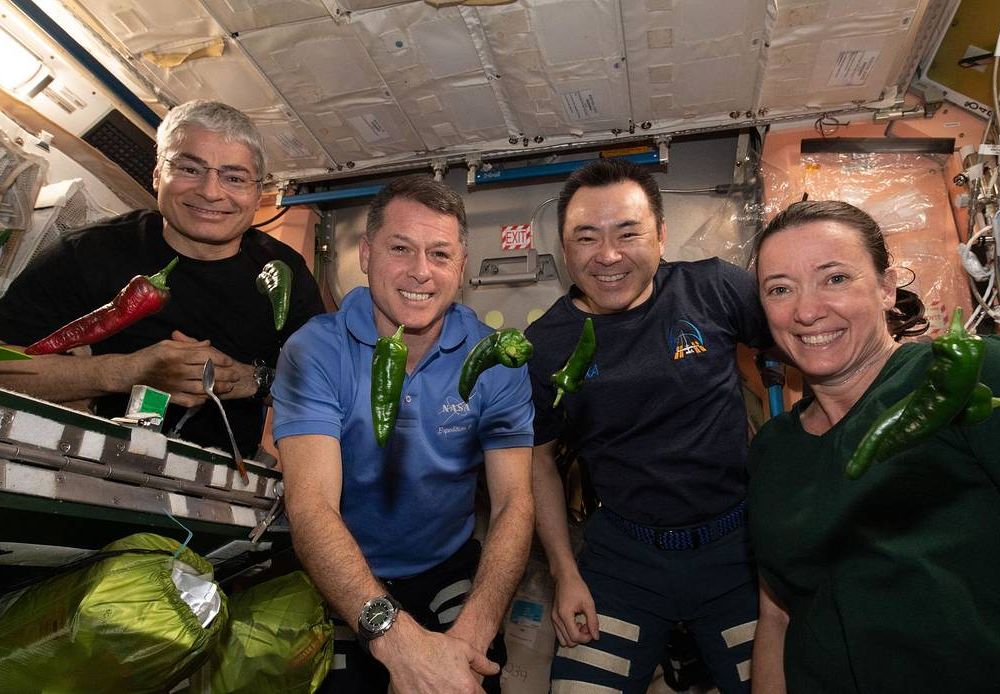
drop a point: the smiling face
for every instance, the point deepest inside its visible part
(612, 245)
(825, 301)
(202, 219)
(414, 263)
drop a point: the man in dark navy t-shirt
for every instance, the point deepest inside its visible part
(660, 424)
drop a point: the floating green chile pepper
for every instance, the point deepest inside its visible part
(980, 406)
(508, 347)
(945, 396)
(570, 377)
(388, 373)
(275, 281)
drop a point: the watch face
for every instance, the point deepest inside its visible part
(377, 615)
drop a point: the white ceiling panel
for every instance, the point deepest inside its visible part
(359, 84)
(326, 76)
(828, 55)
(560, 64)
(247, 15)
(432, 64)
(144, 25)
(688, 60)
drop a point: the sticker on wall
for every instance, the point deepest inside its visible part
(852, 68)
(580, 105)
(514, 237)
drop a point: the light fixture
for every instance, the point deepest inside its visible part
(23, 72)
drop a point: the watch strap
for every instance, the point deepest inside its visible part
(366, 636)
(263, 376)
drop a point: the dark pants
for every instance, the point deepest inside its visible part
(434, 599)
(642, 593)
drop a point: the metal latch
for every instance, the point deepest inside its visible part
(272, 514)
(505, 270)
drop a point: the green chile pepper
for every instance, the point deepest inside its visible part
(5, 235)
(570, 377)
(275, 281)
(941, 399)
(388, 373)
(980, 406)
(508, 347)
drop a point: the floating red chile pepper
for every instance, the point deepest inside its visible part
(142, 296)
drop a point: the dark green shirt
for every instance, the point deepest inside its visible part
(891, 582)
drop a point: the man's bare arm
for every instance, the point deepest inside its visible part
(572, 597)
(505, 550)
(417, 660)
(173, 365)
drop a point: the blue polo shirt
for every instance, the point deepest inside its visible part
(409, 505)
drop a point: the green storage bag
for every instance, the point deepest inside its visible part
(133, 618)
(279, 639)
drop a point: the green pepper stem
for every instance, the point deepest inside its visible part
(957, 326)
(559, 394)
(159, 280)
(399, 333)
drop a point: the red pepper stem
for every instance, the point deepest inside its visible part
(159, 280)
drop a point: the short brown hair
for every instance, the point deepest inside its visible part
(906, 318)
(420, 188)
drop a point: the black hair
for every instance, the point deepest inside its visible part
(606, 172)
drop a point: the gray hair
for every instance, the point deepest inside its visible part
(214, 116)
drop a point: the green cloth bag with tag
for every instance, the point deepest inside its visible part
(279, 639)
(132, 618)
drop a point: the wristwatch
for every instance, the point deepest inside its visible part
(263, 377)
(377, 616)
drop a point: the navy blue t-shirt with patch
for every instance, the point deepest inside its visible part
(660, 420)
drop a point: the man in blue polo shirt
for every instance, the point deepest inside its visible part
(386, 533)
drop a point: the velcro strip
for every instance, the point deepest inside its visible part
(596, 658)
(734, 636)
(744, 670)
(453, 591)
(575, 687)
(449, 615)
(618, 627)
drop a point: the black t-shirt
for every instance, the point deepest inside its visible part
(215, 300)
(660, 420)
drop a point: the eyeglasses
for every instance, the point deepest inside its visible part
(233, 180)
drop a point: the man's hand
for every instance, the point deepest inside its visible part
(572, 602)
(425, 662)
(479, 638)
(233, 379)
(176, 366)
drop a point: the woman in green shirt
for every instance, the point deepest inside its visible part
(888, 583)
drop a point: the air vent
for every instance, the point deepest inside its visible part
(126, 145)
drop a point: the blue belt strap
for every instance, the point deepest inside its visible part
(682, 538)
